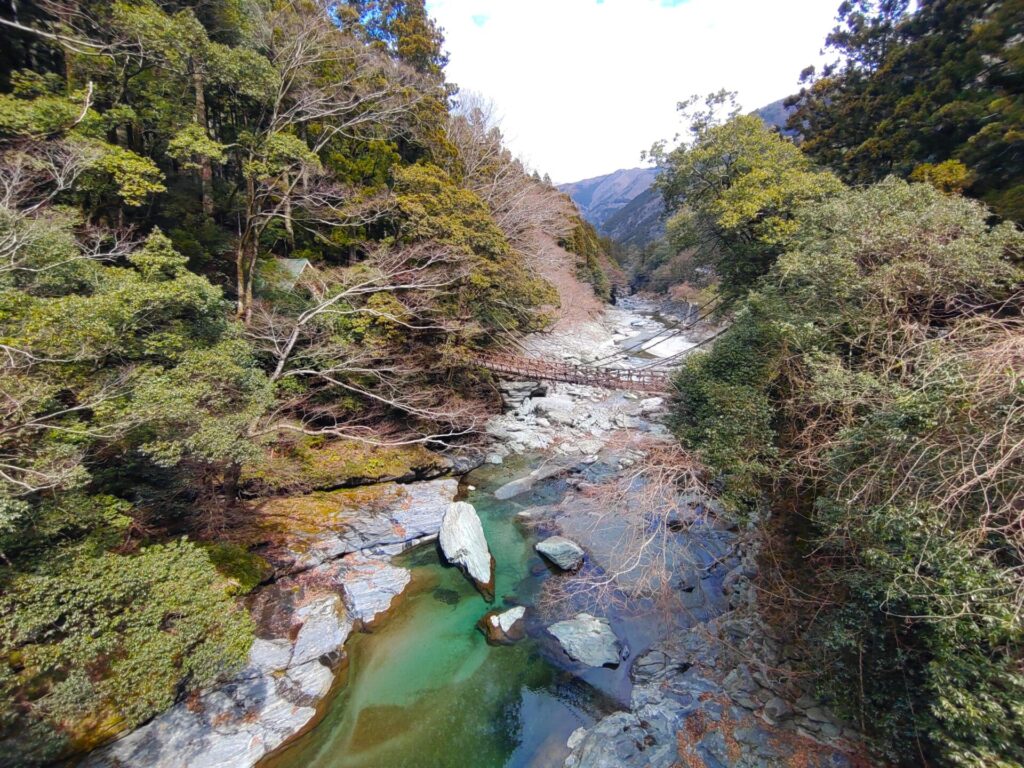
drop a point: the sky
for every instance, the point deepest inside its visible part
(583, 86)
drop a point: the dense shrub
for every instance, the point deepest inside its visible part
(95, 644)
(879, 366)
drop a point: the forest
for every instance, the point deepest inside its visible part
(236, 234)
(227, 228)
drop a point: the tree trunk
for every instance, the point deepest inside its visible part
(288, 211)
(240, 262)
(205, 166)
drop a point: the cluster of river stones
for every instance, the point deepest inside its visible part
(339, 578)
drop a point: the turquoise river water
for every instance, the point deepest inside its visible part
(424, 689)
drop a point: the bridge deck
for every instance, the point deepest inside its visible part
(631, 379)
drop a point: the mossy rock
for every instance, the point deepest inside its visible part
(245, 569)
(94, 730)
(294, 518)
(314, 465)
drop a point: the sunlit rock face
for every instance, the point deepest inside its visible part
(563, 552)
(503, 627)
(463, 543)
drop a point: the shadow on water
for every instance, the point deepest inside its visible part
(424, 689)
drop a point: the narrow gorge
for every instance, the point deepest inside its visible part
(372, 648)
(340, 428)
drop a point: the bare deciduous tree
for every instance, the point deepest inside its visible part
(329, 86)
(526, 210)
(306, 346)
(636, 520)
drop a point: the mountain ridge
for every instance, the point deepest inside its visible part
(600, 197)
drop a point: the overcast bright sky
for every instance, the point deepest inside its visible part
(584, 85)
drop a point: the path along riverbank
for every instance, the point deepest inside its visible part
(423, 688)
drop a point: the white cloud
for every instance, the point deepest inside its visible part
(583, 86)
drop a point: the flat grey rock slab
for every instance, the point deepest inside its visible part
(370, 585)
(563, 552)
(588, 639)
(515, 488)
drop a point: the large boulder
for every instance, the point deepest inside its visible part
(563, 552)
(557, 408)
(589, 640)
(503, 627)
(618, 741)
(463, 544)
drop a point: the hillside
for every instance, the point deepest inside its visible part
(602, 197)
(639, 221)
(775, 115)
(622, 205)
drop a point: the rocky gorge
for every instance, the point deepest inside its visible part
(701, 688)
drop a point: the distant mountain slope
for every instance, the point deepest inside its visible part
(601, 197)
(639, 222)
(775, 115)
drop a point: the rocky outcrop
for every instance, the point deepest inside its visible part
(331, 556)
(248, 717)
(297, 533)
(709, 697)
(464, 544)
(680, 715)
(563, 552)
(503, 627)
(589, 640)
(370, 584)
(308, 465)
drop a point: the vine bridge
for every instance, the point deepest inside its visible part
(630, 379)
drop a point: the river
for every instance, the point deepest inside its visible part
(423, 689)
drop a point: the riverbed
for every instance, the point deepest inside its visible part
(423, 688)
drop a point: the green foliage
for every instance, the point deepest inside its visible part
(41, 116)
(723, 410)
(134, 394)
(740, 182)
(123, 173)
(674, 259)
(314, 465)
(192, 144)
(584, 242)
(498, 292)
(109, 364)
(873, 374)
(920, 89)
(246, 569)
(947, 176)
(105, 641)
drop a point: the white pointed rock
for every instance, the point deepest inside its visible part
(463, 543)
